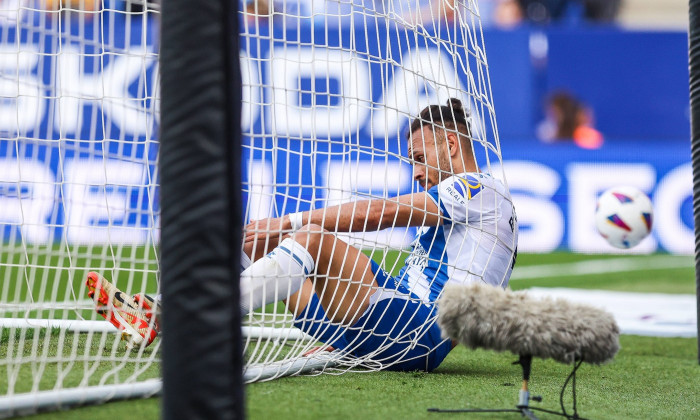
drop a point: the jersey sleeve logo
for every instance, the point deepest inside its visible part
(468, 187)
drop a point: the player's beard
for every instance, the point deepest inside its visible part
(444, 165)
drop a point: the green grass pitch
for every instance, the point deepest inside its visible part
(649, 378)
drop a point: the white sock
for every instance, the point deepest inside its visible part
(276, 276)
(245, 261)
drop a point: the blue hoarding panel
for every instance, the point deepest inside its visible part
(555, 188)
(636, 82)
(513, 82)
(325, 125)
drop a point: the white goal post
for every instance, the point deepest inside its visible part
(328, 89)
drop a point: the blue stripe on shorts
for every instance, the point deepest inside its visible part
(313, 321)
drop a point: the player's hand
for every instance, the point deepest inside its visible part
(318, 349)
(266, 227)
(261, 236)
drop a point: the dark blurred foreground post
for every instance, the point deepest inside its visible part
(694, 59)
(200, 190)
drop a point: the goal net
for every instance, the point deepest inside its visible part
(78, 193)
(329, 89)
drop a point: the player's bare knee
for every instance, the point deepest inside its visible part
(310, 236)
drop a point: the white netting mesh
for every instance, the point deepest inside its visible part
(329, 89)
(78, 188)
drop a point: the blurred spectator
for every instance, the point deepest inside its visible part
(508, 14)
(85, 5)
(132, 6)
(601, 10)
(572, 11)
(499, 13)
(257, 12)
(543, 11)
(139, 6)
(443, 11)
(423, 12)
(294, 12)
(503, 14)
(566, 119)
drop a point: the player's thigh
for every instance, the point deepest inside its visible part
(344, 279)
(298, 301)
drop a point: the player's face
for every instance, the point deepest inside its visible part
(430, 157)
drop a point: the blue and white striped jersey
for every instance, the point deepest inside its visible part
(476, 242)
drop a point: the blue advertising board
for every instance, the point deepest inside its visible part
(325, 120)
(78, 111)
(555, 188)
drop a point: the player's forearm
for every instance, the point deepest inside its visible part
(365, 215)
(370, 215)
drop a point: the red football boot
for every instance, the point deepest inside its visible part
(121, 310)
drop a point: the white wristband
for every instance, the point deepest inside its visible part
(296, 220)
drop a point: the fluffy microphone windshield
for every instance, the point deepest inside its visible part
(480, 315)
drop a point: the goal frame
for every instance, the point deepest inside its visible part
(694, 84)
(201, 91)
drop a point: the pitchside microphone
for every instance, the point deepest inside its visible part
(479, 315)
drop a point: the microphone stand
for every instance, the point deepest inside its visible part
(525, 361)
(523, 406)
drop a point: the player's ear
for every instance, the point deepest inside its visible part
(453, 144)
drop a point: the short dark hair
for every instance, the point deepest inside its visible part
(452, 116)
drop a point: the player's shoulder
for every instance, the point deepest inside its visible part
(467, 185)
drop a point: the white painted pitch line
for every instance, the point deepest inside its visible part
(602, 266)
(651, 314)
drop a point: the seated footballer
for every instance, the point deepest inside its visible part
(467, 233)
